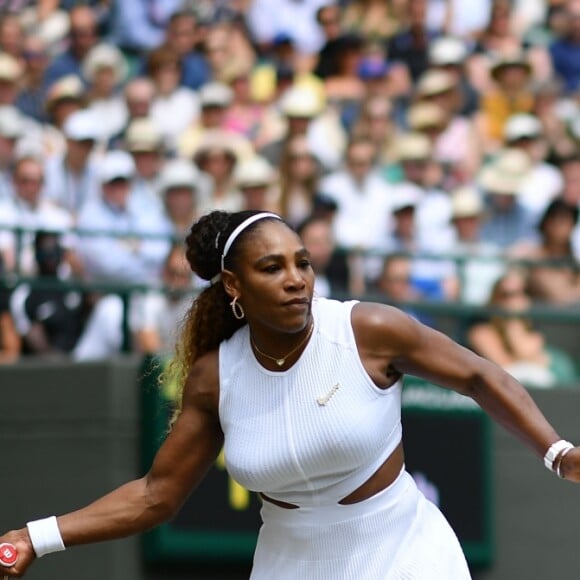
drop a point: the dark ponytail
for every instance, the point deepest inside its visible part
(209, 320)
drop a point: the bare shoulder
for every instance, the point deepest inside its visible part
(386, 327)
(201, 389)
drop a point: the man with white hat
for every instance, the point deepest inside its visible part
(507, 220)
(130, 248)
(71, 176)
(525, 131)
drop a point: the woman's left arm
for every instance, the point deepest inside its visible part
(390, 338)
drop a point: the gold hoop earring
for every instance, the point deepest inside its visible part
(237, 309)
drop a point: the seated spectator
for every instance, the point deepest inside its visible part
(131, 246)
(10, 343)
(256, 180)
(373, 19)
(156, 316)
(72, 176)
(557, 283)
(50, 319)
(507, 221)
(105, 70)
(31, 210)
(509, 339)
(330, 265)
(11, 131)
(565, 51)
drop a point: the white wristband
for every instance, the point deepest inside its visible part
(554, 450)
(45, 536)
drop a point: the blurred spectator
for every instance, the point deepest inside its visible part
(215, 100)
(256, 180)
(11, 36)
(11, 72)
(144, 142)
(507, 222)
(395, 284)
(105, 70)
(343, 84)
(10, 343)
(181, 191)
(328, 17)
(299, 177)
(363, 198)
(71, 176)
(450, 54)
(82, 36)
(330, 265)
(139, 93)
(155, 317)
(174, 106)
(544, 182)
(49, 318)
(33, 89)
(129, 249)
(565, 51)
(410, 46)
(510, 340)
(217, 156)
(182, 37)
(138, 26)
(557, 283)
(415, 154)
(511, 94)
(479, 263)
(30, 209)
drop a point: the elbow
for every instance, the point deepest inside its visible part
(486, 377)
(161, 503)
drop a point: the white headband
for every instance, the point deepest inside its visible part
(247, 222)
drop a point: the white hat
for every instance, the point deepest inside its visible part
(300, 101)
(434, 82)
(83, 125)
(466, 202)
(11, 124)
(447, 50)
(143, 135)
(105, 55)
(215, 94)
(506, 173)
(406, 195)
(10, 68)
(522, 125)
(116, 165)
(178, 173)
(423, 115)
(253, 172)
(67, 87)
(413, 146)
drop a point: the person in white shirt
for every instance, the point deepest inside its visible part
(131, 248)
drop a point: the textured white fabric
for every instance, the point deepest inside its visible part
(395, 535)
(280, 439)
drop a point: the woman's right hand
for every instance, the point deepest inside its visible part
(21, 541)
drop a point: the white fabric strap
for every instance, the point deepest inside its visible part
(45, 536)
(554, 450)
(246, 223)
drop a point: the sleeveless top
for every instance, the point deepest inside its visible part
(316, 432)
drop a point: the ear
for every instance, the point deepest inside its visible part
(231, 284)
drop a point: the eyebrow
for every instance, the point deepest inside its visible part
(301, 253)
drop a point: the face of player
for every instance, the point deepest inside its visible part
(274, 278)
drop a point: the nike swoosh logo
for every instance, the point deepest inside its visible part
(323, 400)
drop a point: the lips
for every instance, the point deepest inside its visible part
(302, 301)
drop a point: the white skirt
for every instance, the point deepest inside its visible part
(395, 535)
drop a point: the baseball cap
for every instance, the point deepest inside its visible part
(178, 173)
(254, 171)
(405, 195)
(466, 202)
(300, 101)
(447, 50)
(522, 126)
(215, 94)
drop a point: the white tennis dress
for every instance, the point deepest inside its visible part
(310, 436)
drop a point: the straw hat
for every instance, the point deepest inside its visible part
(143, 136)
(105, 55)
(466, 202)
(423, 116)
(513, 58)
(254, 172)
(506, 173)
(178, 173)
(10, 68)
(413, 147)
(67, 88)
(434, 82)
(300, 101)
(522, 126)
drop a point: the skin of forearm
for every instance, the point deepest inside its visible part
(130, 509)
(508, 403)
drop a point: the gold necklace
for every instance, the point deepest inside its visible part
(282, 360)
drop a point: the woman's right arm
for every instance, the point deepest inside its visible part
(179, 466)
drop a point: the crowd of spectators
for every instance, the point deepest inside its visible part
(419, 146)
